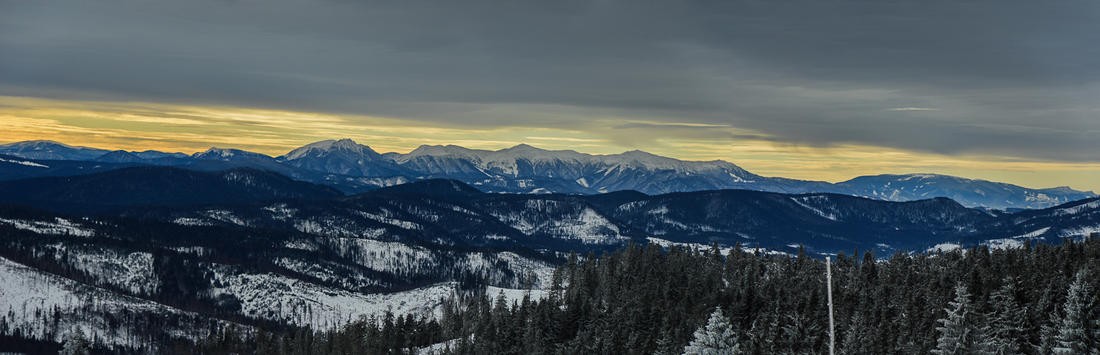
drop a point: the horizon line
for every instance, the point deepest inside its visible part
(535, 147)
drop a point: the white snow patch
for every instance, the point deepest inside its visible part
(1004, 243)
(300, 245)
(1077, 209)
(24, 163)
(1078, 232)
(1032, 234)
(801, 201)
(281, 211)
(276, 297)
(440, 347)
(129, 271)
(389, 220)
(193, 250)
(327, 273)
(486, 263)
(590, 227)
(512, 295)
(336, 227)
(59, 226)
(945, 247)
(382, 256)
(584, 224)
(1015, 241)
(699, 246)
(193, 222)
(659, 211)
(227, 217)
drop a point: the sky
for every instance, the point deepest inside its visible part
(825, 90)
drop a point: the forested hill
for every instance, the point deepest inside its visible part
(451, 212)
(185, 264)
(644, 300)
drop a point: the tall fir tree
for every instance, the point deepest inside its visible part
(1076, 326)
(856, 336)
(1006, 330)
(957, 326)
(717, 337)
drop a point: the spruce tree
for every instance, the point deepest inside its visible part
(957, 327)
(1006, 332)
(855, 337)
(1075, 328)
(665, 345)
(715, 338)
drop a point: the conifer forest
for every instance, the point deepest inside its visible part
(647, 300)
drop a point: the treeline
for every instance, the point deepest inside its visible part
(647, 300)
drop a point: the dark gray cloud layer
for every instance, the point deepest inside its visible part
(1018, 79)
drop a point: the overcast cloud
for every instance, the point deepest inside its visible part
(1018, 79)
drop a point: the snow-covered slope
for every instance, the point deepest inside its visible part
(145, 268)
(1075, 221)
(295, 301)
(33, 300)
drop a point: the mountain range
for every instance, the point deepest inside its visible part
(245, 248)
(353, 168)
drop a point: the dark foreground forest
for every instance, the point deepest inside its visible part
(646, 300)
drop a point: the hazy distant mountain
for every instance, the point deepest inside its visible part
(353, 168)
(50, 150)
(215, 159)
(15, 168)
(969, 192)
(155, 155)
(120, 156)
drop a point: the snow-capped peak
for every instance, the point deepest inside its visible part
(524, 148)
(530, 153)
(334, 144)
(227, 154)
(642, 157)
(443, 150)
(495, 157)
(328, 146)
(649, 161)
(217, 152)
